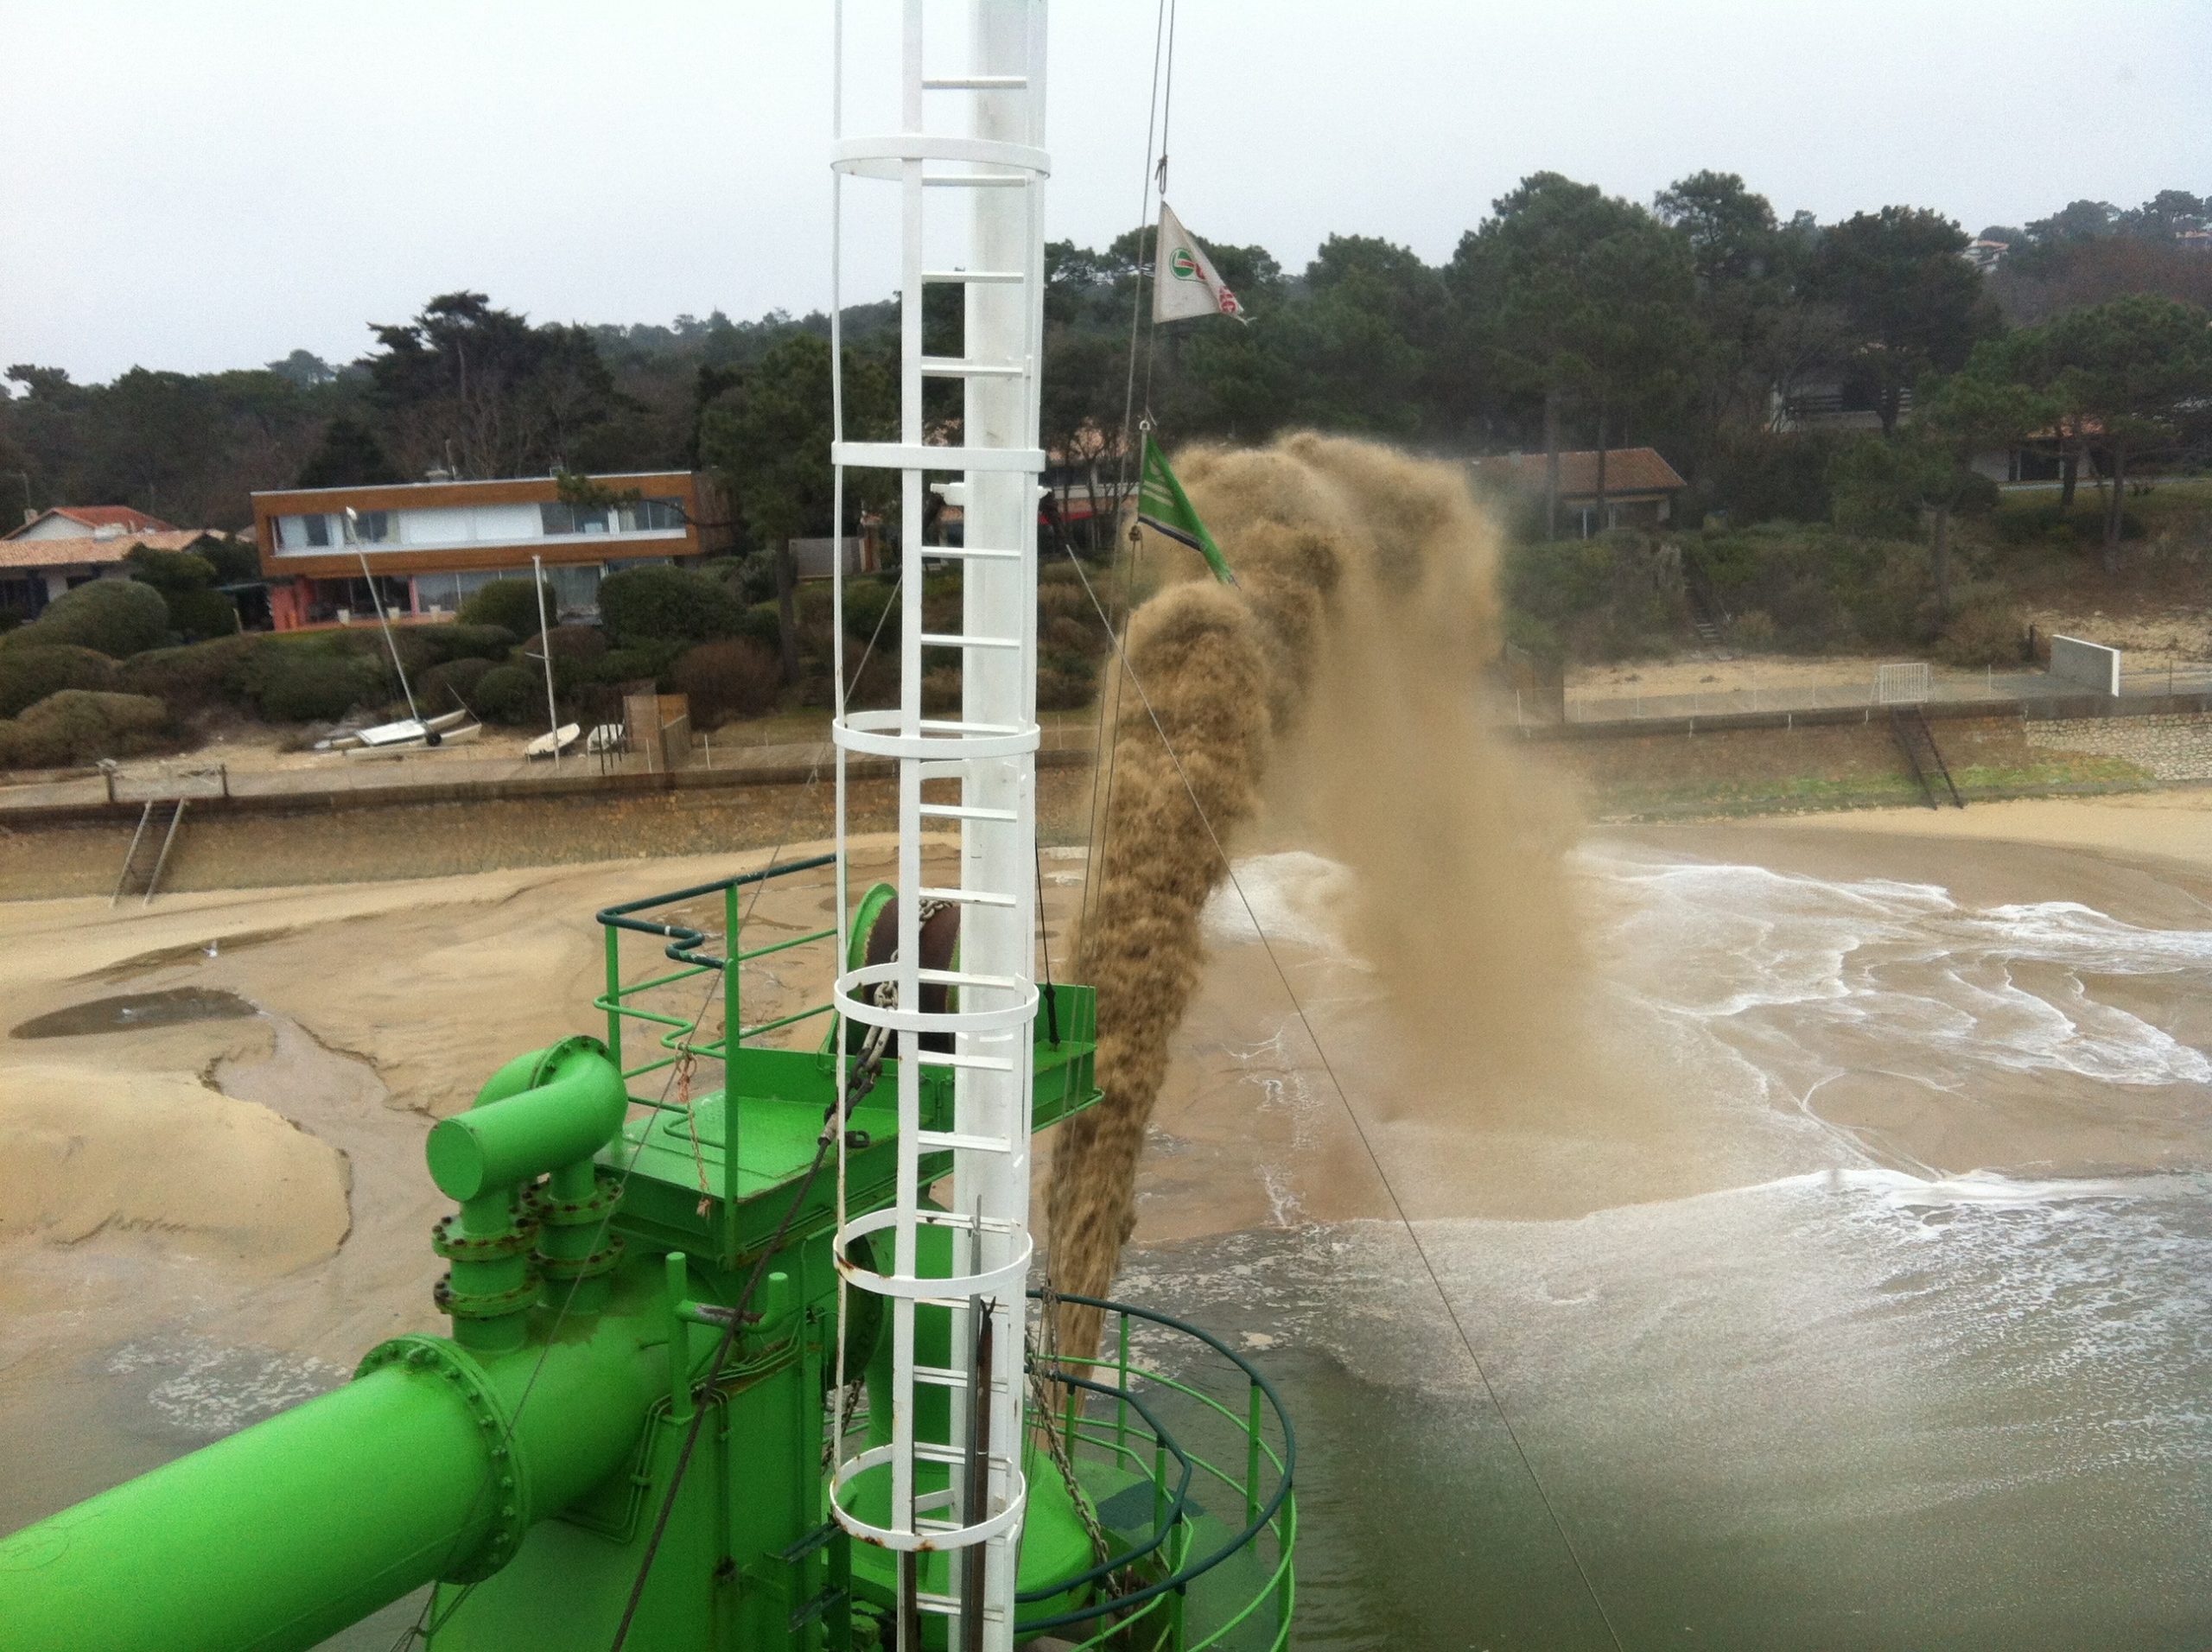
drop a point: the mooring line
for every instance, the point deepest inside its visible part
(1359, 1129)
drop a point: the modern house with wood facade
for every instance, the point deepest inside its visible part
(430, 544)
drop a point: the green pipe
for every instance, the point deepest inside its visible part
(426, 1466)
(560, 1107)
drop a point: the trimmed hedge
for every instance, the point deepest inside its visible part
(195, 676)
(439, 688)
(200, 616)
(302, 687)
(513, 694)
(509, 604)
(665, 604)
(461, 640)
(29, 675)
(81, 725)
(118, 616)
(734, 676)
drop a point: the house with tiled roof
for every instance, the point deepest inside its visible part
(1635, 487)
(87, 522)
(70, 545)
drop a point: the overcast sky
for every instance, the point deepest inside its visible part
(199, 184)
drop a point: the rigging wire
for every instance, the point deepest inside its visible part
(1102, 750)
(1359, 1128)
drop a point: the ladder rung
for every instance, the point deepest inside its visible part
(966, 898)
(975, 83)
(968, 978)
(955, 1141)
(946, 1606)
(977, 1063)
(964, 811)
(945, 1376)
(970, 554)
(1001, 276)
(948, 640)
(959, 367)
(954, 726)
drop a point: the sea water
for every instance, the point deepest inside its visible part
(1870, 1402)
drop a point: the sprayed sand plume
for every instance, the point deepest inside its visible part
(1337, 687)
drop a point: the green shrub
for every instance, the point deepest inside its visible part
(509, 604)
(199, 616)
(1761, 478)
(761, 623)
(443, 687)
(195, 676)
(80, 725)
(170, 570)
(666, 604)
(581, 645)
(235, 560)
(303, 687)
(732, 677)
(118, 616)
(29, 675)
(1754, 628)
(460, 640)
(865, 602)
(1988, 629)
(648, 661)
(510, 694)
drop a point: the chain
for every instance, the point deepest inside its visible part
(1057, 1446)
(686, 1059)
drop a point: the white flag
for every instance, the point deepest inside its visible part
(1184, 282)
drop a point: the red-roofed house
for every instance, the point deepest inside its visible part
(71, 545)
(87, 522)
(1639, 485)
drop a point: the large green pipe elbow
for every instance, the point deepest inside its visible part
(426, 1466)
(538, 1112)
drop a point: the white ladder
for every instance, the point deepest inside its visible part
(978, 772)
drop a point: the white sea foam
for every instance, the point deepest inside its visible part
(1297, 898)
(2005, 986)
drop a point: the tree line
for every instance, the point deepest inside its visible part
(1567, 317)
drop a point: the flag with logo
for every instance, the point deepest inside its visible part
(1163, 506)
(1185, 282)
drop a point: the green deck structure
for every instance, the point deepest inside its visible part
(604, 1449)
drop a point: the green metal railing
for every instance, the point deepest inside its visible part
(1217, 1451)
(686, 946)
(1131, 1439)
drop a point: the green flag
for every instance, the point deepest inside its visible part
(1163, 506)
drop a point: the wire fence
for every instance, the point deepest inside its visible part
(1850, 693)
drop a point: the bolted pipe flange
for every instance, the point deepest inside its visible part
(540, 1204)
(577, 1267)
(449, 1241)
(484, 1304)
(507, 1487)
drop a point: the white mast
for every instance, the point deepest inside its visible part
(970, 143)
